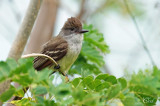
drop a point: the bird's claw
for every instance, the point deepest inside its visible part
(57, 67)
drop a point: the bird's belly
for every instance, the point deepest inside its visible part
(67, 61)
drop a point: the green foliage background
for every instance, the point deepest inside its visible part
(92, 88)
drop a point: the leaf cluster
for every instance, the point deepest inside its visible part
(104, 89)
(92, 87)
(91, 57)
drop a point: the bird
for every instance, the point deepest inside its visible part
(64, 48)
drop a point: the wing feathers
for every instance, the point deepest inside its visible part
(55, 48)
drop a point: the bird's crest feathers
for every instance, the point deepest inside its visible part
(72, 23)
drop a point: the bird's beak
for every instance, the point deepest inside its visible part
(84, 31)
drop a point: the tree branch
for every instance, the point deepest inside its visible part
(25, 30)
(44, 26)
(139, 32)
(22, 37)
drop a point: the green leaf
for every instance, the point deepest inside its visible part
(131, 101)
(91, 99)
(76, 81)
(156, 72)
(78, 94)
(106, 84)
(32, 73)
(39, 90)
(90, 59)
(123, 83)
(22, 69)
(142, 89)
(147, 99)
(95, 57)
(12, 63)
(43, 74)
(97, 82)
(145, 94)
(7, 94)
(40, 99)
(102, 76)
(82, 68)
(25, 60)
(20, 92)
(112, 79)
(22, 79)
(88, 81)
(113, 91)
(100, 85)
(50, 103)
(68, 101)
(4, 70)
(62, 90)
(93, 37)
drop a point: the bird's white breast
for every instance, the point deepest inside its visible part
(74, 48)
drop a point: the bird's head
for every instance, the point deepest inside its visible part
(73, 26)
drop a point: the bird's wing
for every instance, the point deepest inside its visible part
(55, 48)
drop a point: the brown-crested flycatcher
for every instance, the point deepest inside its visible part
(64, 48)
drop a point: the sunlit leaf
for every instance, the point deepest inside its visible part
(123, 83)
(12, 63)
(92, 55)
(7, 94)
(4, 70)
(102, 76)
(93, 37)
(113, 91)
(76, 81)
(39, 90)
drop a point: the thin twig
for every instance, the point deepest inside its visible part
(41, 55)
(139, 32)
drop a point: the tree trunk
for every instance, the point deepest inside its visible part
(25, 30)
(22, 37)
(43, 29)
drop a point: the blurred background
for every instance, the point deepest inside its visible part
(112, 19)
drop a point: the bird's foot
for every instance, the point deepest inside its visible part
(66, 76)
(57, 67)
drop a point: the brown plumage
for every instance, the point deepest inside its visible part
(55, 48)
(72, 22)
(64, 48)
